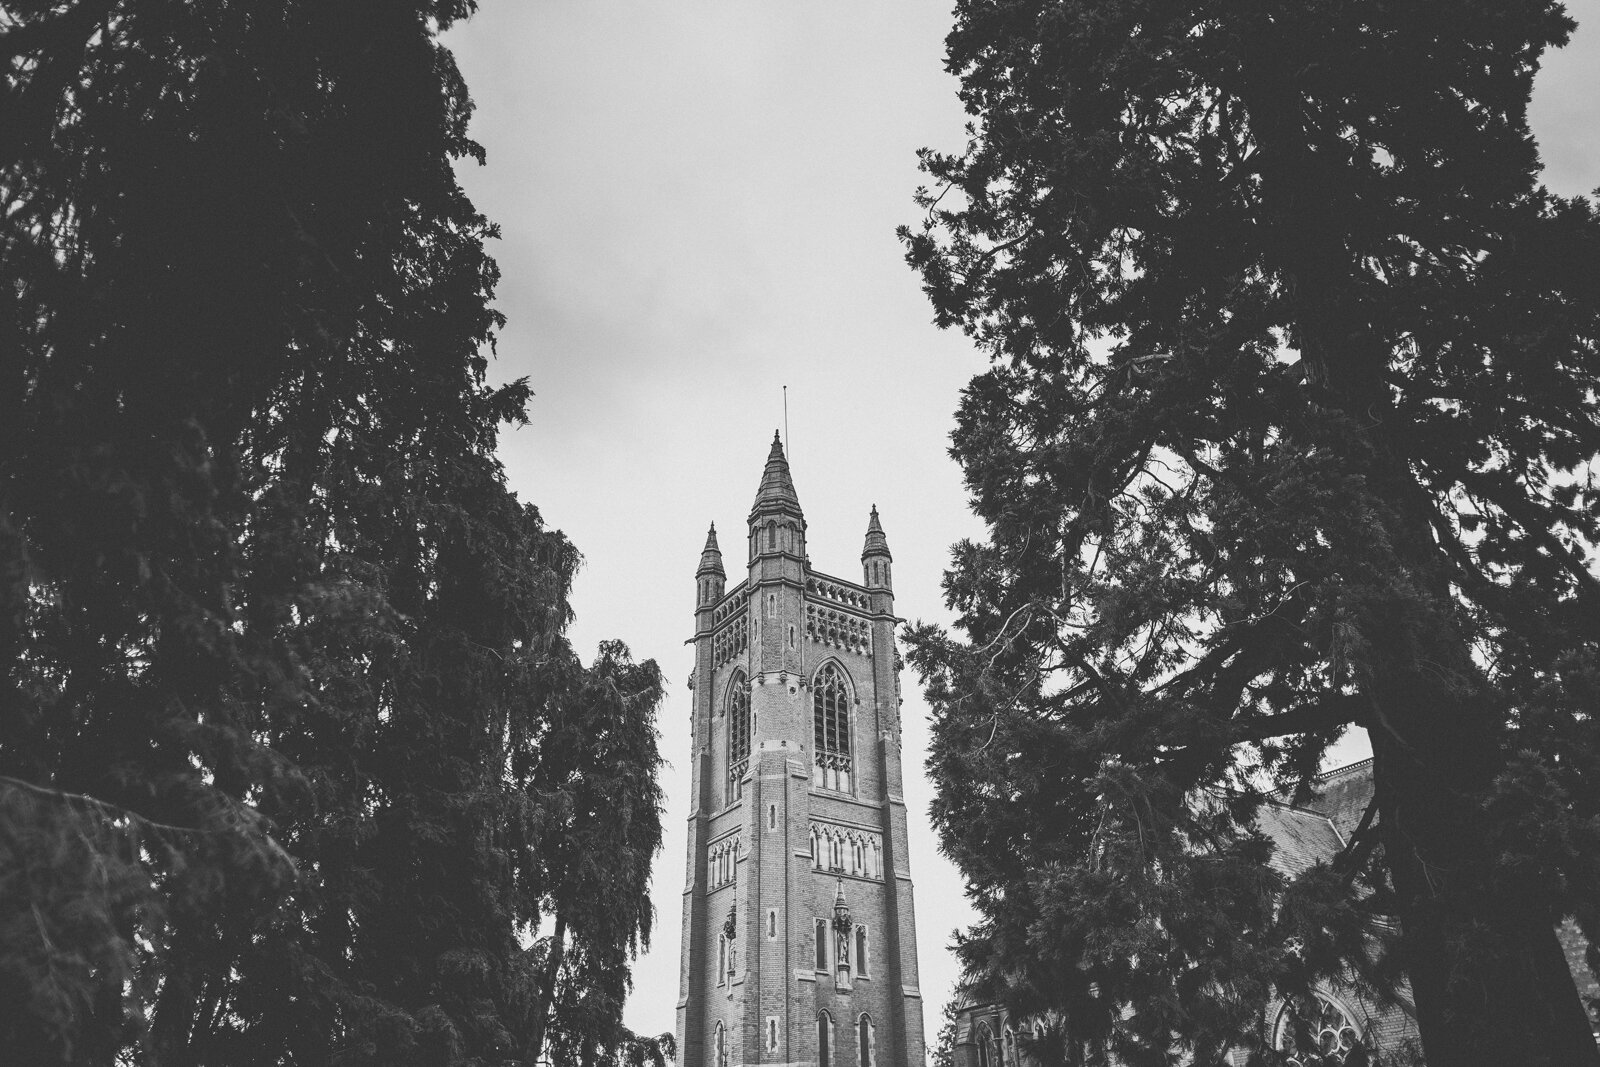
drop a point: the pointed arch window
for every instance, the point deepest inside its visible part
(722, 1045)
(824, 1039)
(830, 704)
(738, 735)
(1318, 1031)
(867, 1042)
(983, 1045)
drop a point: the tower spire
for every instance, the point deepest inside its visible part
(875, 557)
(777, 485)
(711, 556)
(709, 577)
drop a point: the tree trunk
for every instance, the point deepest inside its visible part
(1490, 982)
(547, 987)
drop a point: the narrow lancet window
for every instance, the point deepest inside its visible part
(738, 736)
(831, 729)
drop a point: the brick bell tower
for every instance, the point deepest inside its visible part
(799, 938)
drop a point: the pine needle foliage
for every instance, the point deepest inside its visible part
(284, 661)
(1290, 427)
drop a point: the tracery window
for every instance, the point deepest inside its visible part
(830, 704)
(1319, 1034)
(738, 735)
(983, 1045)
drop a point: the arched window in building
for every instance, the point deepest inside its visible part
(1011, 1047)
(983, 1045)
(1320, 1032)
(722, 1045)
(867, 1046)
(820, 945)
(772, 535)
(861, 952)
(830, 703)
(738, 735)
(722, 958)
(824, 1039)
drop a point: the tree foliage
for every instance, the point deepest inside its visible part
(1290, 428)
(284, 659)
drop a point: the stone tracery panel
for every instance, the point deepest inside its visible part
(839, 849)
(838, 629)
(722, 862)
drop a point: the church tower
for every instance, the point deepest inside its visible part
(799, 941)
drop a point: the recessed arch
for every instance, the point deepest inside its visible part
(824, 1039)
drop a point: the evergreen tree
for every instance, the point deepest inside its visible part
(1291, 427)
(597, 776)
(281, 651)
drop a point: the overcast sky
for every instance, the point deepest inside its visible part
(698, 203)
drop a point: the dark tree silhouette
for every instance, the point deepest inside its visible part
(281, 651)
(1291, 426)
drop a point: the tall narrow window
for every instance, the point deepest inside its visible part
(983, 1045)
(722, 1045)
(861, 952)
(738, 735)
(830, 716)
(824, 1039)
(821, 948)
(868, 1051)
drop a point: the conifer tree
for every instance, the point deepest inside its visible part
(280, 650)
(1290, 427)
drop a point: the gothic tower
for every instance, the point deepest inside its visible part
(799, 942)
